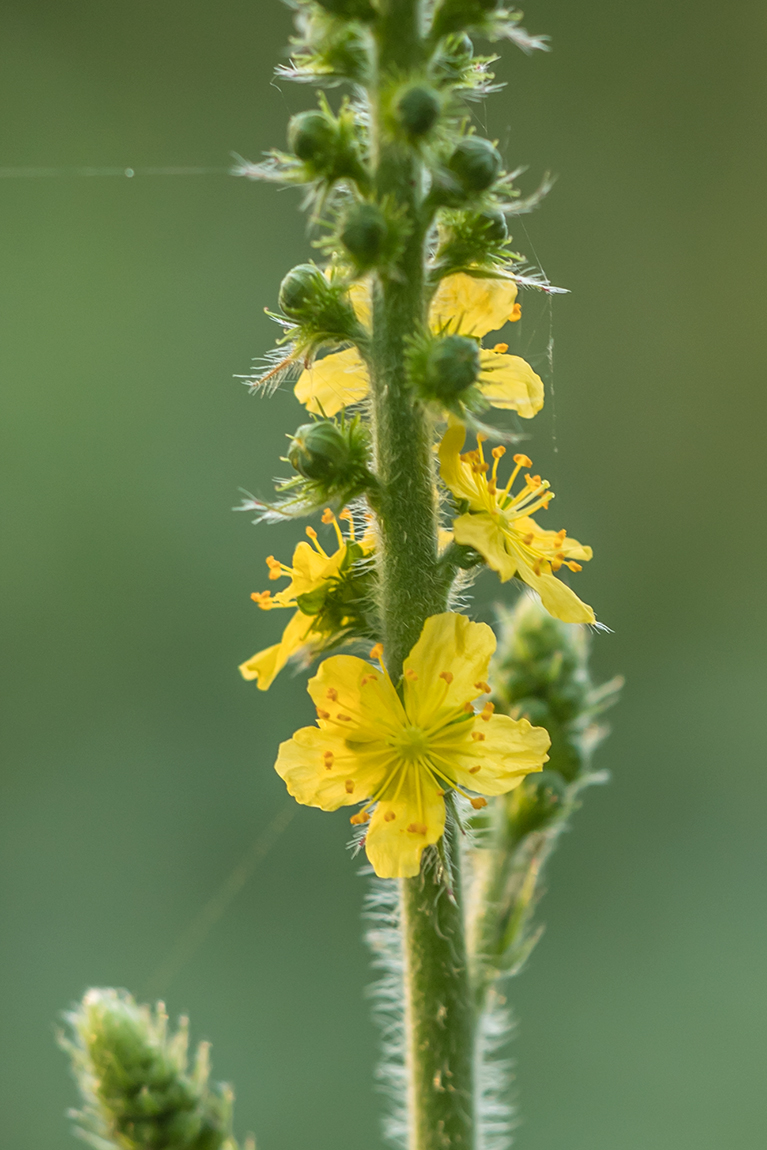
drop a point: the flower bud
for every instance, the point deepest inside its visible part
(320, 451)
(364, 235)
(475, 163)
(418, 110)
(313, 137)
(536, 803)
(452, 366)
(494, 227)
(300, 291)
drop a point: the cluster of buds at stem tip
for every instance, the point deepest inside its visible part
(138, 1091)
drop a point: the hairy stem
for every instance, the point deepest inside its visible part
(413, 587)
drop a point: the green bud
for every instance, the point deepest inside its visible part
(320, 450)
(313, 136)
(475, 163)
(494, 227)
(349, 9)
(364, 235)
(137, 1089)
(301, 291)
(452, 366)
(536, 803)
(418, 110)
(456, 15)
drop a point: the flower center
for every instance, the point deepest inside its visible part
(412, 743)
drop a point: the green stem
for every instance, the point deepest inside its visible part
(439, 1038)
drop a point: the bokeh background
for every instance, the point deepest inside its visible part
(137, 765)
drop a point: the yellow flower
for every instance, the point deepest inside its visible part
(400, 755)
(313, 570)
(462, 304)
(499, 527)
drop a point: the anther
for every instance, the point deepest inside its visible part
(322, 714)
(475, 770)
(328, 757)
(487, 712)
(368, 679)
(349, 786)
(311, 532)
(499, 452)
(479, 803)
(516, 313)
(261, 597)
(346, 515)
(481, 438)
(447, 676)
(478, 737)
(327, 516)
(483, 687)
(574, 566)
(332, 694)
(528, 539)
(411, 675)
(360, 817)
(417, 828)
(389, 817)
(523, 460)
(501, 348)
(376, 652)
(468, 708)
(343, 718)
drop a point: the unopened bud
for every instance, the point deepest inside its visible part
(364, 235)
(301, 290)
(313, 137)
(493, 226)
(452, 366)
(319, 450)
(418, 110)
(475, 163)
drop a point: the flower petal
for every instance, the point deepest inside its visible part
(509, 382)
(551, 542)
(361, 694)
(360, 296)
(558, 599)
(333, 382)
(493, 756)
(455, 474)
(472, 306)
(446, 668)
(484, 533)
(321, 771)
(401, 827)
(266, 665)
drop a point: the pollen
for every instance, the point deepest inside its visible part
(478, 803)
(332, 694)
(417, 828)
(447, 676)
(487, 711)
(477, 736)
(483, 687)
(389, 817)
(360, 817)
(349, 786)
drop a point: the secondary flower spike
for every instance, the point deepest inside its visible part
(462, 304)
(399, 756)
(498, 525)
(313, 575)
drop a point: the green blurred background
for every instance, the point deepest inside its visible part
(137, 766)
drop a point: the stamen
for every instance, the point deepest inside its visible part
(523, 460)
(475, 770)
(322, 714)
(347, 718)
(468, 708)
(376, 651)
(478, 737)
(328, 757)
(574, 566)
(313, 536)
(487, 711)
(360, 817)
(478, 803)
(262, 598)
(417, 828)
(389, 817)
(411, 675)
(327, 516)
(368, 679)
(332, 694)
(483, 687)
(516, 313)
(447, 676)
(349, 786)
(501, 348)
